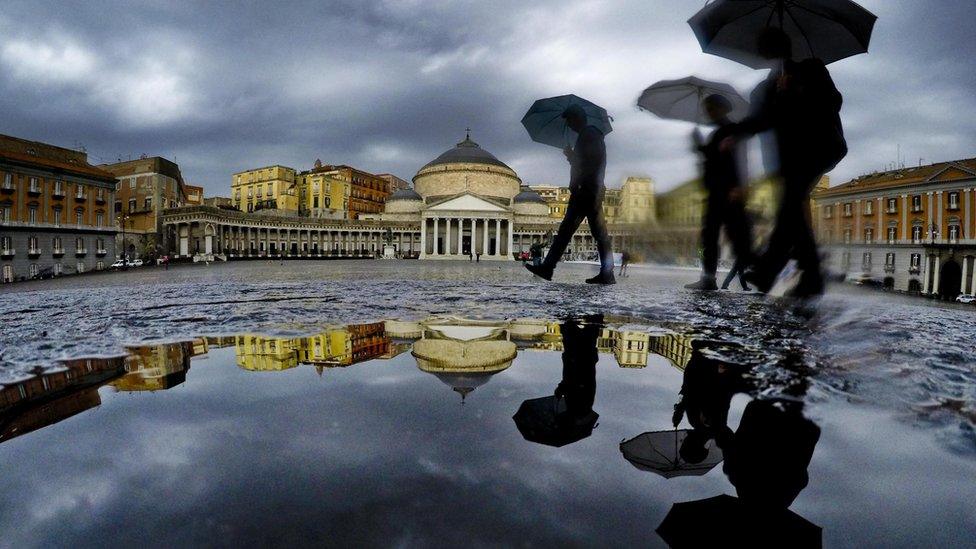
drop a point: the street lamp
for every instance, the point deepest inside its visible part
(122, 218)
(933, 232)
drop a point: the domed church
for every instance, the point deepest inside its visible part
(468, 202)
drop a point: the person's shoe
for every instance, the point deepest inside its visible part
(706, 284)
(602, 278)
(760, 281)
(540, 271)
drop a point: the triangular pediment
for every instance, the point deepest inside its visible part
(952, 173)
(467, 202)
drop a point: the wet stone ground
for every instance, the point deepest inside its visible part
(383, 452)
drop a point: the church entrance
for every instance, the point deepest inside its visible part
(492, 243)
(950, 281)
(466, 245)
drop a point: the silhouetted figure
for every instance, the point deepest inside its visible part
(588, 161)
(625, 260)
(801, 105)
(738, 270)
(567, 416)
(725, 205)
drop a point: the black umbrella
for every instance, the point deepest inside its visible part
(724, 521)
(546, 421)
(545, 123)
(660, 452)
(682, 99)
(829, 30)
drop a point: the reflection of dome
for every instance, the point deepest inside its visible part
(467, 152)
(527, 329)
(463, 365)
(467, 168)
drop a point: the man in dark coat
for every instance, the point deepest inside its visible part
(588, 160)
(801, 105)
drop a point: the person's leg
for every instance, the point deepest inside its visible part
(567, 228)
(728, 279)
(598, 228)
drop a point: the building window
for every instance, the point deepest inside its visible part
(57, 217)
(59, 187)
(99, 219)
(8, 181)
(917, 234)
(848, 209)
(953, 234)
(79, 217)
(118, 206)
(132, 183)
(35, 186)
(5, 213)
(56, 245)
(828, 212)
(892, 205)
(916, 263)
(892, 234)
(953, 201)
(80, 267)
(100, 244)
(847, 236)
(6, 244)
(868, 235)
(79, 244)
(132, 205)
(32, 245)
(32, 214)
(845, 260)
(890, 261)
(33, 270)
(80, 193)
(917, 203)
(58, 269)
(866, 261)
(147, 204)
(99, 265)
(869, 207)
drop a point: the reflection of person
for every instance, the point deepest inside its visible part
(588, 161)
(801, 105)
(724, 183)
(738, 270)
(580, 355)
(767, 458)
(706, 393)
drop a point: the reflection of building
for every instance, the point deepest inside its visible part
(675, 347)
(48, 398)
(340, 346)
(158, 367)
(55, 211)
(913, 229)
(145, 188)
(463, 354)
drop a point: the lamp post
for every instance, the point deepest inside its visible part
(122, 218)
(933, 232)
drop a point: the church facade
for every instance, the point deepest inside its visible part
(464, 204)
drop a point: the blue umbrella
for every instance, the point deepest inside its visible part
(545, 124)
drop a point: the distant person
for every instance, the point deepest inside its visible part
(725, 185)
(588, 161)
(800, 104)
(624, 262)
(738, 270)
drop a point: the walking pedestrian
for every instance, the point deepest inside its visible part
(587, 159)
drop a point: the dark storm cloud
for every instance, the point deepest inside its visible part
(389, 85)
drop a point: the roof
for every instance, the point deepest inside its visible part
(529, 195)
(74, 168)
(940, 171)
(404, 194)
(468, 152)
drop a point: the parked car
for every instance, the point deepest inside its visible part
(118, 264)
(964, 298)
(135, 263)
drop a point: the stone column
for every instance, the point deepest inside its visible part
(880, 232)
(904, 218)
(942, 235)
(423, 237)
(437, 221)
(966, 233)
(484, 238)
(447, 236)
(498, 237)
(935, 279)
(510, 238)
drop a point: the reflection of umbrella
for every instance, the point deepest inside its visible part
(546, 421)
(659, 452)
(545, 124)
(829, 30)
(681, 99)
(724, 521)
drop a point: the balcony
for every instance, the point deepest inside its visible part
(57, 252)
(891, 211)
(100, 198)
(889, 268)
(7, 187)
(81, 252)
(58, 192)
(914, 269)
(80, 197)
(33, 253)
(917, 209)
(7, 252)
(34, 190)
(100, 252)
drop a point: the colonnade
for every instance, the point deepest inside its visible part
(462, 236)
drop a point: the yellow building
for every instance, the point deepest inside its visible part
(323, 194)
(339, 346)
(636, 203)
(158, 367)
(270, 187)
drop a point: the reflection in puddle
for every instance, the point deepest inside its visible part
(765, 456)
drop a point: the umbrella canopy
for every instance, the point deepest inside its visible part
(724, 521)
(829, 30)
(545, 124)
(659, 452)
(545, 421)
(682, 99)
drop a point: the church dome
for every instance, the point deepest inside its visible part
(404, 194)
(528, 196)
(529, 203)
(467, 168)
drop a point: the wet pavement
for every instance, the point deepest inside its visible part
(373, 403)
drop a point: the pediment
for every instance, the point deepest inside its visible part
(952, 173)
(467, 202)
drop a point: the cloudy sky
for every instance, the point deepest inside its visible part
(388, 85)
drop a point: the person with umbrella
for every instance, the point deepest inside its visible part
(725, 205)
(587, 160)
